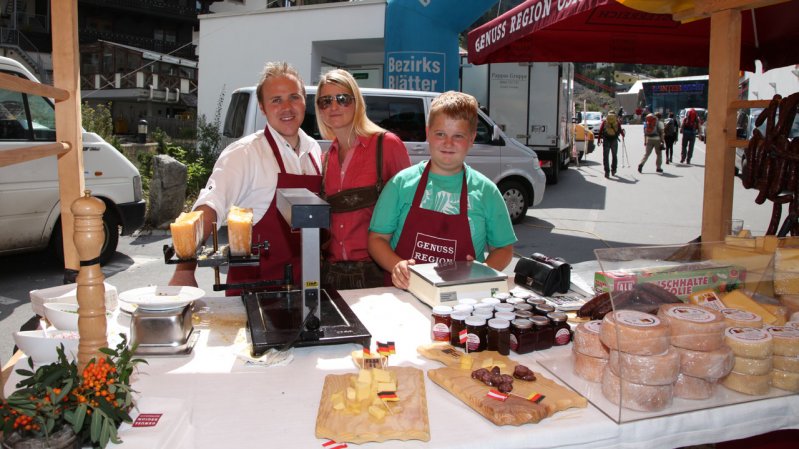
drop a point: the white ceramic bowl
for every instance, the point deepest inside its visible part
(42, 348)
(63, 316)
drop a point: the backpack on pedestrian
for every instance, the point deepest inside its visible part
(611, 128)
(651, 125)
(670, 127)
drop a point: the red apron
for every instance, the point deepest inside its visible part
(284, 245)
(431, 237)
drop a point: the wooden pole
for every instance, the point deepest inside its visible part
(66, 76)
(725, 56)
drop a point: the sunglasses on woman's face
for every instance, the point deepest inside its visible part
(343, 100)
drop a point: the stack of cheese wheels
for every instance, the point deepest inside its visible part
(697, 337)
(641, 367)
(590, 355)
(785, 374)
(751, 373)
(741, 318)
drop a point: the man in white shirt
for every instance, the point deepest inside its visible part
(250, 170)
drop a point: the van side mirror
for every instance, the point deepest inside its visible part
(496, 136)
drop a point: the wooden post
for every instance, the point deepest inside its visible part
(725, 56)
(89, 236)
(66, 75)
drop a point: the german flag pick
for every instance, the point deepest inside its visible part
(536, 397)
(391, 347)
(388, 396)
(366, 351)
(383, 349)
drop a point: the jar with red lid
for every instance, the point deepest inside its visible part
(544, 335)
(441, 323)
(522, 336)
(498, 338)
(560, 328)
(475, 334)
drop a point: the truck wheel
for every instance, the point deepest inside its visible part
(111, 228)
(553, 173)
(516, 200)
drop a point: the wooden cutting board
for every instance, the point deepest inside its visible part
(407, 422)
(515, 410)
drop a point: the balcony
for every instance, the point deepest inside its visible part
(162, 8)
(173, 49)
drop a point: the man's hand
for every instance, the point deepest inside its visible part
(401, 275)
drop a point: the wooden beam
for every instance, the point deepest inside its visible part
(737, 143)
(17, 84)
(25, 154)
(725, 55)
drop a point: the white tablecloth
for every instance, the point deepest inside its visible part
(236, 405)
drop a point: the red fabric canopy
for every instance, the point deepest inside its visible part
(607, 31)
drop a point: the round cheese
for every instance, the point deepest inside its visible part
(587, 367)
(786, 340)
(693, 327)
(658, 369)
(634, 332)
(689, 387)
(586, 340)
(706, 364)
(747, 384)
(749, 342)
(753, 367)
(645, 398)
(741, 318)
(785, 380)
(790, 364)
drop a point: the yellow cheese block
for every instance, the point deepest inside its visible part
(239, 229)
(781, 312)
(743, 241)
(736, 299)
(786, 271)
(187, 234)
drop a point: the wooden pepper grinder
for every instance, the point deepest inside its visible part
(89, 236)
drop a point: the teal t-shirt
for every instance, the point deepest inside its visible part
(489, 221)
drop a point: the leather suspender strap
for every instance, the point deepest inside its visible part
(380, 162)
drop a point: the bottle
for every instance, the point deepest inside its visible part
(498, 338)
(561, 328)
(441, 323)
(522, 337)
(475, 334)
(458, 324)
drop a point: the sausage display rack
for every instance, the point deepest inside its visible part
(281, 315)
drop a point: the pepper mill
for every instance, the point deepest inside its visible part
(89, 236)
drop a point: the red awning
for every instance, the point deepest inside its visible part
(607, 31)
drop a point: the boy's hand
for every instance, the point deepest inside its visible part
(401, 275)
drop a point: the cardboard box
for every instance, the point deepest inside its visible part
(682, 280)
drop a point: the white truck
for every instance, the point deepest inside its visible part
(532, 103)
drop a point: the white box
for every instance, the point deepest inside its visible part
(68, 293)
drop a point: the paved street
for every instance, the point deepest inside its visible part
(583, 212)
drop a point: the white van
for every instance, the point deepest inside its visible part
(513, 167)
(30, 208)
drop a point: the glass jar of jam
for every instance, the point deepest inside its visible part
(560, 328)
(475, 334)
(504, 308)
(502, 296)
(464, 308)
(482, 305)
(535, 301)
(484, 313)
(458, 324)
(543, 309)
(523, 306)
(522, 336)
(544, 335)
(522, 294)
(509, 316)
(524, 314)
(514, 301)
(498, 338)
(468, 301)
(441, 323)
(492, 301)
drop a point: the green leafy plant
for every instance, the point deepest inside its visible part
(93, 401)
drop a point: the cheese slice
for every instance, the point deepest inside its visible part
(239, 231)
(786, 271)
(187, 234)
(736, 299)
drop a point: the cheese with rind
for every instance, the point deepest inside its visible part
(785, 380)
(586, 340)
(187, 234)
(645, 398)
(688, 387)
(741, 318)
(587, 367)
(753, 367)
(693, 327)
(749, 342)
(239, 231)
(706, 364)
(747, 384)
(786, 271)
(786, 340)
(790, 364)
(634, 332)
(660, 369)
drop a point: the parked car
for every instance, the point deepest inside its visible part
(592, 120)
(514, 167)
(30, 207)
(583, 140)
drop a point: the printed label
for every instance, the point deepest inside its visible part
(562, 337)
(472, 342)
(147, 420)
(694, 314)
(440, 332)
(740, 315)
(747, 334)
(594, 326)
(636, 319)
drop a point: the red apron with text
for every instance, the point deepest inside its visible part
(284, 244)
(431, 237)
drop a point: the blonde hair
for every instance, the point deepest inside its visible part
(361, 124)
(456, 105)
(275, 70)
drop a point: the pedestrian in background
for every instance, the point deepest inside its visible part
(653, 139)
(689, 129)
(609, 131)
(670, 133)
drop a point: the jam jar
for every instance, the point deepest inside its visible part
(522, 336)
(458, 324)
(468, 301)
(514, 301)
(523, 306)
(544, 335)
(484, 313)
(525, 314)
(492, 301)
(498, 338)
(509, 316)
(475, 334)
(522, 294)
(504, 308)
(535, 301)
(502, 296)
(561, 328)
(441, 322)
(463, 308)
(543, 309)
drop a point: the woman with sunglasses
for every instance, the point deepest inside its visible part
(361, 159)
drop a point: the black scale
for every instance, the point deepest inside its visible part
(280, 314)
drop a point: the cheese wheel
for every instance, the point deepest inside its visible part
(660, 369)
(741, 318)
(706, 364)
(187, 234)
(239, 231)
(785, 380)
(786, 271)
(749, 342)
(693, 327)
(645, 398)
(747, 384)
(689, 387)
(753, 367)
(791, 302)
(587, 367)
(790, 364)
(786, 340)
(634, 332)
(586, 340)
